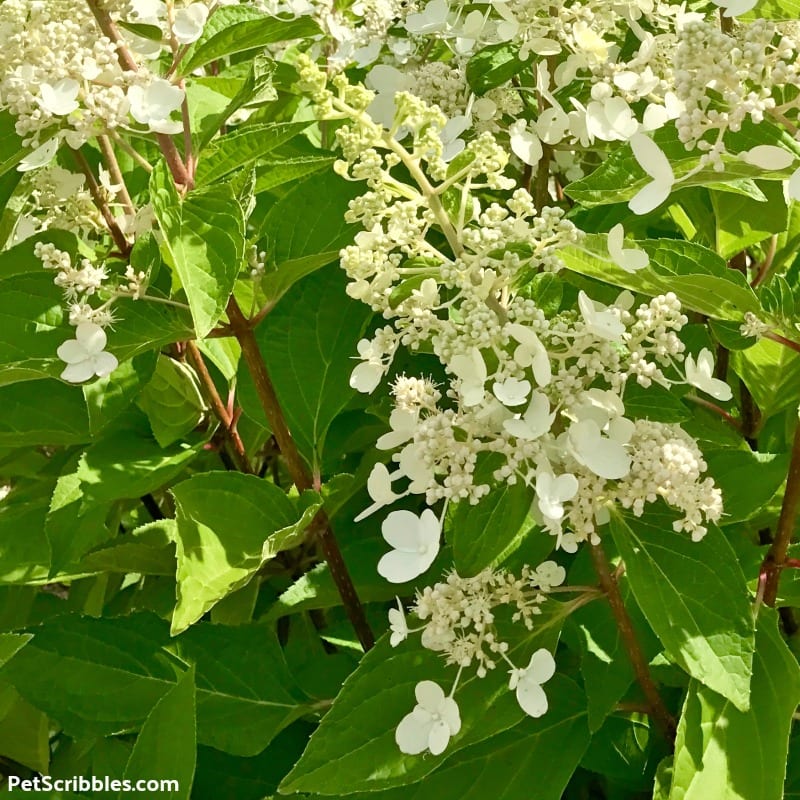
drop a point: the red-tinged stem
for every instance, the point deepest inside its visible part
(775, 560)
(221, 411)
(608, 583)
(320, 526)
(776, 337)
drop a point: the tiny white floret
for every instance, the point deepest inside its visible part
(85, 354)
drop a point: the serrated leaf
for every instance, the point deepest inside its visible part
(204, 235)
(273, 172)
(244, 146)
(147, 550)
(229, 524)
(493, 66)
(728, 754)
(235, 29)
(24, 731)
(679, 584)
(771, 373)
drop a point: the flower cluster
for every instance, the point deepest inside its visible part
(458, 619)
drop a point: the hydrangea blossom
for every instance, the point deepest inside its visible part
(432, 723)
(85, 354)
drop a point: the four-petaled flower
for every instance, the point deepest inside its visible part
(398, 624)
(85, 354)
(629, 258)
(528, 683)
(430, 725)
(152, 105)
(415, 541)
(700, 374)
(652, 160)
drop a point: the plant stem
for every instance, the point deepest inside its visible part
(102, 206)
(320, 526)
(769, 257)
(776, 556)
(220, 410)
(658, 711)
(776, 337)
(116, 173)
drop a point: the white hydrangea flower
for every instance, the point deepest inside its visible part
(629, 258)
(549, 574)
(527, 683)
(471, 369)
(552, 492)
(531, 352)
(603, 455)
(366, 376)
(434, 720)
(652, 160)
(398, 624)
(535, 422)
(700, 374)
(85, 354)
(735, 8)
(599, 319)
(512, 392)
(525, 144)
(189, 23)
(431, 19)
(152, 105)
(41, 156)
(415, 541)
(379, 486)
(60, 98)
(403, 424)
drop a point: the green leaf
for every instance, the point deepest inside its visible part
(538, 752)
(204, 235)
(700, 278)
(308, 342)
(483, 532)
(11, 149)
(493, 66)
(742, 221)
(272, 172)
(728, 754)
(229, 524)
(354, 748)
(679, 585)
(242, 147)
(655, 403)
(11, 643)
(148, 550)
(733, 472)
(166, 747)
(97, 677)
(302, 243)
(24, 731)
(235, 29)
(771, 373)
(172, 401)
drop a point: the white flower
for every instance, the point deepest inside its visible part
(535, 422)
(734, 8)
(367, 375)
(430, 725)
(611, 120)
(793, 185)
(433, 18)
(512, 392)
(552, 492)
(41, 156)
(379, 486)
(605, 456)
(767, 156)
(153, 104)
(85, 354)
(549, 574)
(415, 541)
(531, 352)
(398, 624)
(528, 683)
(189, 22)
(59, 98)
(403, 424)
(630, 259)
(652, 160)
(524, 144)
(599, 320)
(471, 369)
(700, 374)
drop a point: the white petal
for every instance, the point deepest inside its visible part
(531, 698)
(366, 377)
(60, 98)
(92, 337)
(72, 351)
(794, 185)
(649, 197)
(399, 566)
(189, 22)
(379, 485)
(104, 364)
(451, 715)
(429, 695)
(541, 668)
(40, 156)
(768, 156)
(401, 530)
(651, 159)
(78, 373)
(412, 734)
(438, 737)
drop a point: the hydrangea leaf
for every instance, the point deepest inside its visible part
(680, 585)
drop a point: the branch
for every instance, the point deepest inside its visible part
(228, 420)
(776, 556)
(302, 479)
(658, 711)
